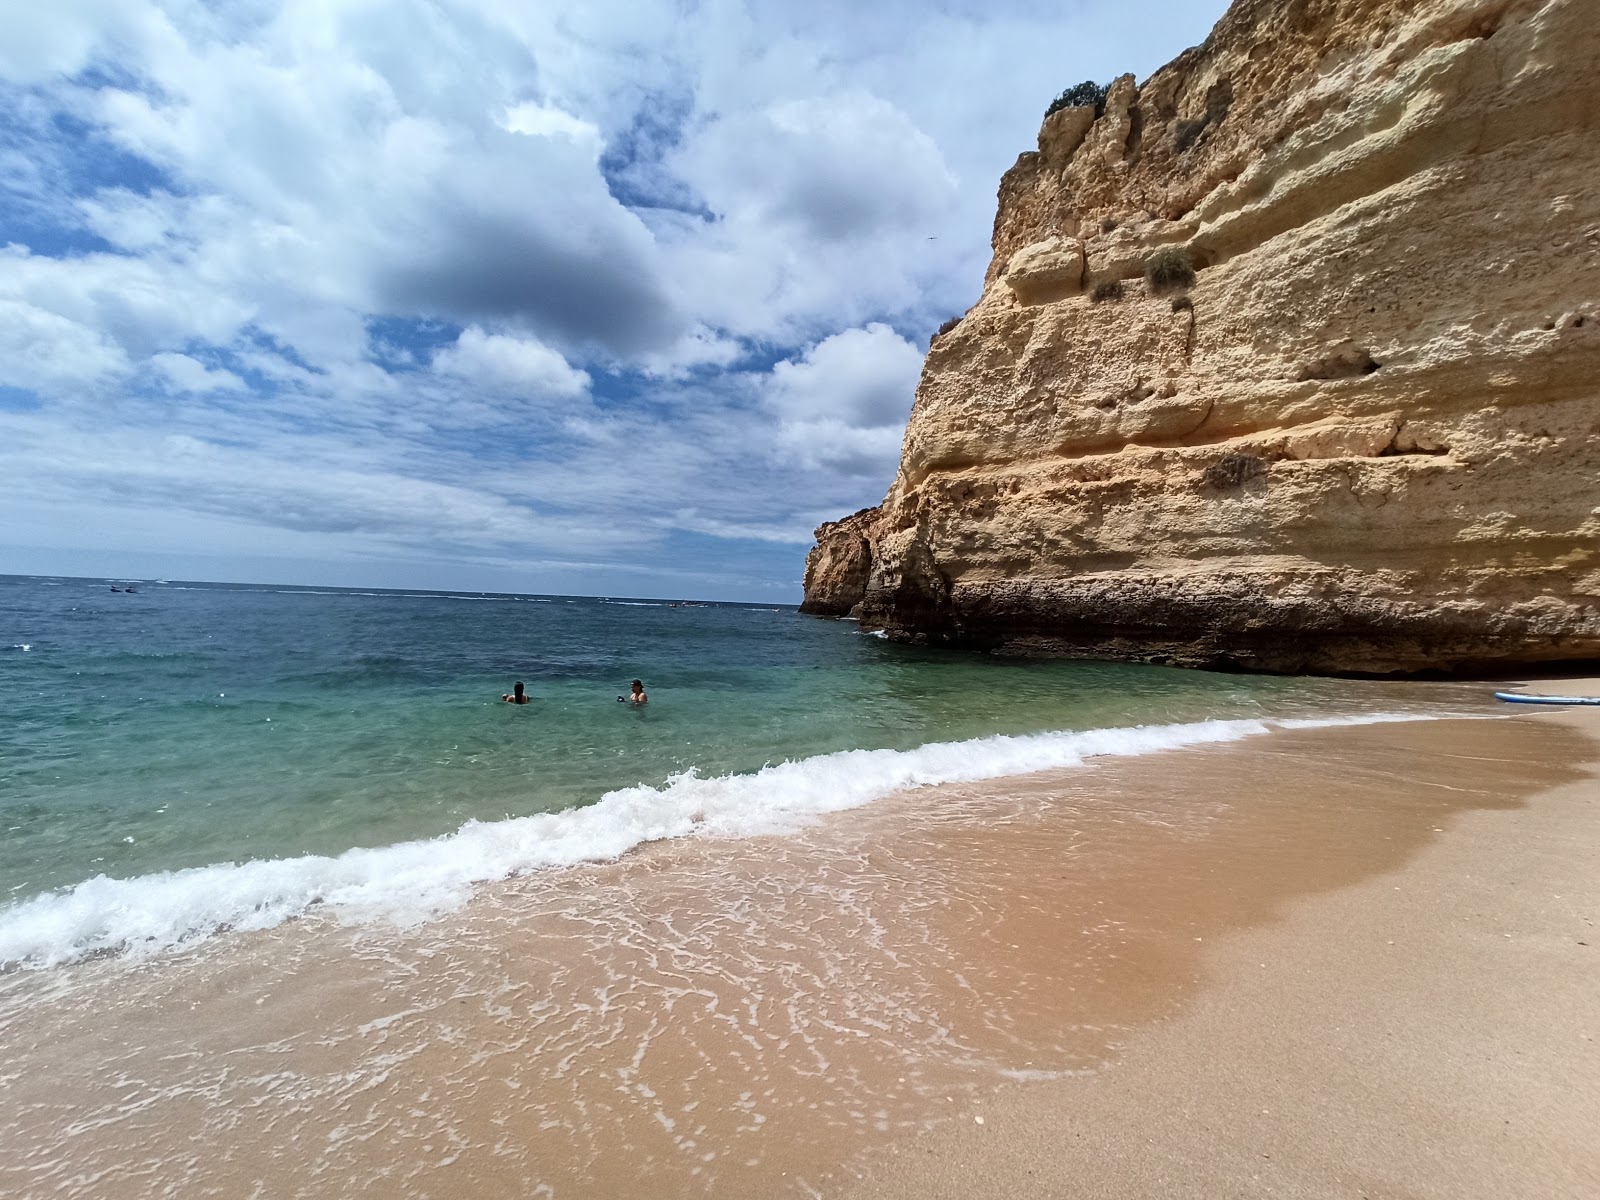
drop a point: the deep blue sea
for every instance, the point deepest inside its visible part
(191, 756)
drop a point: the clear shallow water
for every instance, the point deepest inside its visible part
(187, 725)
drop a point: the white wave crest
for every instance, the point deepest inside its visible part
(410, 881)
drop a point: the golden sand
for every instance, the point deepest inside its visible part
(1428, 1031)
(1306, 964)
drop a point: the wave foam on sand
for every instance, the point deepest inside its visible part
(411, 881)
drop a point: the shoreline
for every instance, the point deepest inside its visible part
(804, 1014)
(147, 915)
(1430, 1031)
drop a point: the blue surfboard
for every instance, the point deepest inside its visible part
(1515, 698)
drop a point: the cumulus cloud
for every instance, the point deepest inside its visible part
(587, 284)
(516, 366)
(861, 377)
(843, 403)
(45, 351)
(836, 167)
(431, 277)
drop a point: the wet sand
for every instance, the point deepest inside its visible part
(1432, 1031)
(1305, 964)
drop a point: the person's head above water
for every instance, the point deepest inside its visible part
(637, 696)
(516, 694)
(637, 685)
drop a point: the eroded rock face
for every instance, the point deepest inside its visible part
(838, 567)
(1046, 271)
(1365, 439)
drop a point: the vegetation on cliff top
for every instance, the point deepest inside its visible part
(1087, 94)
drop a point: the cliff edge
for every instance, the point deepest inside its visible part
(838, 567)
(1288, 360)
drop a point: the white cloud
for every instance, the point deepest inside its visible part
(141, 305)
(302, 484)
(539, 120)
(837, 167)
(795, 532)
(43, 351)
(843, 404)
(609, 209)
(45, 40)
(863, 378)
(510, 365)
(130, 221)
(834, 447)
(185, 374)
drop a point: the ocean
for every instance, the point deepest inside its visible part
(291, 904)
(189, 757)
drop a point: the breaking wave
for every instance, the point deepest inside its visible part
(410, 881)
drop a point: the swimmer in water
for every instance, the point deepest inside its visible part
(637, 696)
(517, 696)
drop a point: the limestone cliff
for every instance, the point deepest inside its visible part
(837, 569)
(1289, 360)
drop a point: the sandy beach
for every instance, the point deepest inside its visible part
(1349, 961)
(1429, 1032)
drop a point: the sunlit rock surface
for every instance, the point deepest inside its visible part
(837, 569)
(1365, 438)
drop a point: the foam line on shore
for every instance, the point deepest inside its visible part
(410, 881)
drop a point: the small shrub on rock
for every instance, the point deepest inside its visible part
(945, 328)
(1182, 304)
(1188, 133)
(1169, 269)
(1087, 94)
(1106, 289)
(1233, 471)
(1219, 98)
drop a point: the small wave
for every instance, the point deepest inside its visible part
(411, 881)
(23, 646)
(300, 591)
(634, 603)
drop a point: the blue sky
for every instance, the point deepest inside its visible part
(603, 297)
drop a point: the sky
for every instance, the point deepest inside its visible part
(601, 297)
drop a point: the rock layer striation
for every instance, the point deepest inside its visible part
(1289, 360)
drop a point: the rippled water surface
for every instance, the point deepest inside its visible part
(188, 724)
(292, 905)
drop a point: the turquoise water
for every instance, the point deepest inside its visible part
(192, 724)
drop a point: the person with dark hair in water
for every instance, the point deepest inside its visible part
(637, 695)
(517, 696)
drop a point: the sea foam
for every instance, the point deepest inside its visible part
(411, 881)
